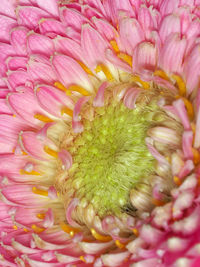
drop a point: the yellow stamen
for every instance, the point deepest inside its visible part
(193, 126)
(180, 84)
(41, 216)
(114, 46)
(23, 172)
(125, 57)
(37, 229)
(106, 71)
(161, 74)
(25, 230)
(60, 86)
(51, 152)
(136, 78)
(102, 238)
(43, 118)
(15, 227)
(177, 180)
(68, 229)
(67, 111)
(83, 66)
(39, 191)
(82, 258)
(189, 107)
(78, 89)
(135, 231)
(196, 156)
(119, 244)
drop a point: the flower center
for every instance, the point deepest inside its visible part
(111, 160)
(110, 156)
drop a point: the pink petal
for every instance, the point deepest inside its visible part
(25, 105)
(15, 63)
(115, 259)
(94, 248)
(182, 113)
(49, 97)
(6, 25)
(192, 69)
(40, 70)
(131, 34)
(40, 44)
(23, 196)
(72, 205)
(93, 45)
(187, 141)
(170, 24)
(30, 16)
(168, 6)
(50, 6)
(131, 97)
(197, 131)
(99, 98)
(76, 125)
(186, 169)
(113, 9)
(73, 18)
(4, 109)
(105, 29)
(9, 130)
(8, 8)
(144, 58)
(111, 57)
(18, 78)
(70, 72)
(68, 47)
(66, 158)
(174, 47)
(5, 51)
(49, 26)
(18, 37)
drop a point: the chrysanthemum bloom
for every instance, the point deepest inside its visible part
(100, 133)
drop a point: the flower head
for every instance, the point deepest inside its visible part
(99, 133)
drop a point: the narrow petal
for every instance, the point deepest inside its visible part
(170, 24)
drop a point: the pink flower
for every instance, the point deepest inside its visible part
(99, 133)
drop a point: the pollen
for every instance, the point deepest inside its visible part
(67, 111)
(50, 151)
(78, 89)
(180, 84)
(125, 57)
(39, 191)
(100, 237)
(42, 118)
(105, 70)
(68, 229)
(37, 229)
(137, 79)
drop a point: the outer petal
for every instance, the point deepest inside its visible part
(40, 44)
(173, 48)
(50, 6)
(131, 34)
(18, 40)
(93, 45)
(30, 16)
(6, 25)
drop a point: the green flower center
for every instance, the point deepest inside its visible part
(111, 156)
